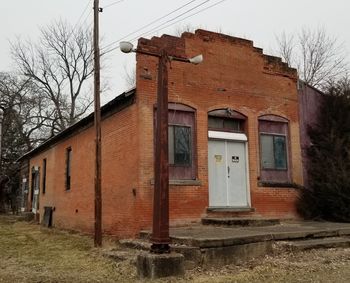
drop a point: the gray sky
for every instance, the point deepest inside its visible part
(258, 20)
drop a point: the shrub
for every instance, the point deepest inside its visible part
(328, 194)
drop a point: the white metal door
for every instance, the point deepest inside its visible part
(227, 174)
(217, 173)
(237, 178)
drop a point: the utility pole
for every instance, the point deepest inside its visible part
(160, 230)
(160, 233)
(97, 120)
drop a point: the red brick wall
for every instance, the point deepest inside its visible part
(233, 74)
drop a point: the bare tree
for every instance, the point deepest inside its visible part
(129, 76)
(58, 65)
(22, 128)
(22, 101)
(318, 57)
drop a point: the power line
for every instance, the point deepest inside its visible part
(180, 20)
(163, 27)
(86, 18)
(82, 14)
(112, 4)
(149, 24)
(76, 24)
(172, 19)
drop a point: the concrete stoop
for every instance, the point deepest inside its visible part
(209, 256)
(206, 245)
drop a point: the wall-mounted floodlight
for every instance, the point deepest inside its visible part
(126, 46)
(196, 60)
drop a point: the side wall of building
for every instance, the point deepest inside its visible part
(74, 208)
(309, 108)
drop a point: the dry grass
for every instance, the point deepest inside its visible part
(30, 253)
(331, 265)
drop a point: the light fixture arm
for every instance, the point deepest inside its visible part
(128, 47)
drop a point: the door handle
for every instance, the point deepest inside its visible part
(228, 171)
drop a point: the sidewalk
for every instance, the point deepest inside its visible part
(205, 236)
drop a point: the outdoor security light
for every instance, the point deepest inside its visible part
(196, 60)
(126, 46)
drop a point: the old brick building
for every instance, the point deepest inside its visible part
(234, 142)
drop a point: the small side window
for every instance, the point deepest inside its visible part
(44, 175)
(68, 167)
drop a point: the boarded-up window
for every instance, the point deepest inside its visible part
(181, 142)
(274, 150)
(182, 165)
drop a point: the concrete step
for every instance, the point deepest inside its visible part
(240, 221)
(230, 212)
(322, 243)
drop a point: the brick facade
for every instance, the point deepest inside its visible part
(235, 75)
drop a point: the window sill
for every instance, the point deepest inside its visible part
(279, 185)
(230, 209)
(182, 182)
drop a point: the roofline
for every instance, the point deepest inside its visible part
(120, 102)
(312, 87)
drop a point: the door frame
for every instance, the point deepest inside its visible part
(238, 137)
(35, 187)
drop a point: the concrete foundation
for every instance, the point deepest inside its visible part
(220, 256)
(153, 266)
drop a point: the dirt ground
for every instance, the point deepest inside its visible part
(30, 253)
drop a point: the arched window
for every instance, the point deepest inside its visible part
(274, 149)
(226, 120)
(181, 142)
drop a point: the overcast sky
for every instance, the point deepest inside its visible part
(258, 20)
